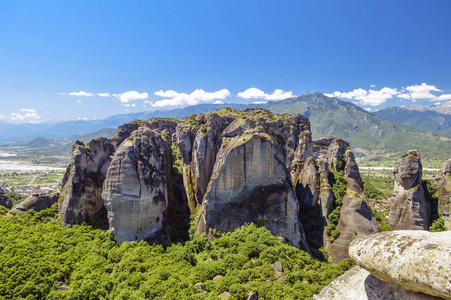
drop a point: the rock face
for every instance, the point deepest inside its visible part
(37, 203)
(419, 261)
(135, 190)
(80, 198)
(444, 194)
(199, 139)
(409, 208)
(358, 283)
(251, 178)
(314, 179)
(355, 217)
(4, 200)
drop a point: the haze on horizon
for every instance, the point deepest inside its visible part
(86, 60)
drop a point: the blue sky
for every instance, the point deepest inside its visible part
(56, 57)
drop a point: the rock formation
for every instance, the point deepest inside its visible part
(251, 177)
(199, 139)
(37, 203)
(135, 190)
(358, 283)
(401, 264)
(444, 194)
(80, 198)
(409, 208)
(4, 200)
(316, 177)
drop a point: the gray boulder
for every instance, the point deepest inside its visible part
(360, 284)
(4, 200)
(418, 261)
(37, 203)
(444, 194)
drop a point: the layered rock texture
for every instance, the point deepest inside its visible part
(401, 264)
(4, 200)
(251, 177)
(36, 203)
(135, 190)
(444, 194)
(329, 187)
(237, 167)
(409, 208)
(80, 198)
(126, 175)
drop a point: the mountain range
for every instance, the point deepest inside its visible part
(381, 131)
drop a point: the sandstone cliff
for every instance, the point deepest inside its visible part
(4, 200)
(251, 178)
(330, 190)
(80, 198)
(135, 190)
(409, 208)
(199, 139)
(444, 194)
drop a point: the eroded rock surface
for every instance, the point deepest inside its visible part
(199, 139)
(80, 198)
(251, 178)
(135, 190)
(356, 218)
(409, 208)
(360, 284)
(4, 200)
(419, 261)
(37, 203)
(444, 194)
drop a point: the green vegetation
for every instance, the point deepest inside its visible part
(382, 220)
(40, 259)
(372, 192)
(430, 191)
(338, 182)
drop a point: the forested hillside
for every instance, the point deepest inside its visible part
(41, 259)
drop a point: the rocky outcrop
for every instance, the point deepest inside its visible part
(80, 198)
(4, 200)
(81, 195)
(356, 218)
(251, 180)
(135, 190)
(401, 264)
(199, 139)
(315, 177)
(444, 194)
(418, 261)
(358, 283)
(36, 203)
(409, 208)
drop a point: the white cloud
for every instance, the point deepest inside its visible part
(28, 114)
(368, 109)
(81, 93)
(370, 97)
(131, 96)
(218, 102)
(103, 94)
(79, 101)
(130, 104)
(260, 102)
(2, 116)
(199, 95)
(373, 85)
(420, 91)
(83, 119)
(444, 97)
(278, 94)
